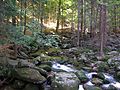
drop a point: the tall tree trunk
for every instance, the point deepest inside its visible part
(25, 6)
(72, 22)
(82, 16)
(33, 9)
(91, 18)
(14, 21)
(102, 29)
(115, 21)
(21, 5)
(79, 23)
(41, 18)
(84, 28)
(58, 15)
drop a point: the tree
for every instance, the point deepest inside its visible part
(102, 28)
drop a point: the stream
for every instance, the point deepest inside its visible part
(70, 69)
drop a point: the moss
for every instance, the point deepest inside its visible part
(50, 50)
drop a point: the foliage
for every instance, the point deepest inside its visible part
(48, 40)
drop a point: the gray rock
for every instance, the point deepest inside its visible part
(109, 87)
(66, 81)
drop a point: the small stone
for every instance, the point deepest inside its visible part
(97, 81)
(81, 75)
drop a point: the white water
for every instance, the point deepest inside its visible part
(63, 67)
(89, 75)
(81, 87)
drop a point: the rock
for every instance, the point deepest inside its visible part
(103, 66)
(118, 68)
(88, 87)
(25, 63)
(45, 67)
(7, 88)
(113, 53)
(109, 87)
(97, 81)
(81, 75)
(5, 61)
(30, 75)
(65, 81)
(31, 87)
(88, 69)
(17, 84)
(118, 74)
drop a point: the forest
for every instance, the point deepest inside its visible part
(59, 44)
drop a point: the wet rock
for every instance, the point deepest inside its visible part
(81, 75)
(109, 87)
(97, 81)
(118, 68)
(118, 74)
(31, 87)
(88, 87)
(30, 75)
(113, 53)
(66, 81)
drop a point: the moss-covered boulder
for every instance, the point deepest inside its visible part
(30, 75)
(81, 75)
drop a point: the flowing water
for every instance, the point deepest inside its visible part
(57, 67)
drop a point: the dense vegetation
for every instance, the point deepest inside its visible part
(36, 33)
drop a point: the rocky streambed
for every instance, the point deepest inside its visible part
(71, 69)
(68, 78)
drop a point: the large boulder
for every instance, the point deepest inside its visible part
(29, 74)
(65, 81)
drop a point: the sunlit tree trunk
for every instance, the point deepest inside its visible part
(72, 20)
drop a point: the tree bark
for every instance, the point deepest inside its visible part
(102, 29)
(58, 15)
(79, 23)
(25, 6)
